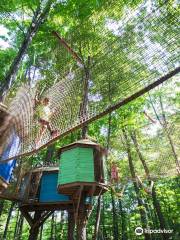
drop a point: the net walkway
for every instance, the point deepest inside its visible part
(135, 54)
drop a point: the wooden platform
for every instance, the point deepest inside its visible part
(91, 188)
(30, 207)
(10, 197)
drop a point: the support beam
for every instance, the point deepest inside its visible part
(42, 219)
(27, 217)
(10, 197)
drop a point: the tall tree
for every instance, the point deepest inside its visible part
(156, 202)
(34, 231)
(71, 225)
(164, 123)
(123, 221)
(39, 17)
(82, 219)
(144, 220)
(1, 206)
(8, 220)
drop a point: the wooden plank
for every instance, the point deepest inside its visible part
(70, 185)
(54, 206)
(70, 188)
(10, 197)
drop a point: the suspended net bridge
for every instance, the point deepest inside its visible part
(135, 55)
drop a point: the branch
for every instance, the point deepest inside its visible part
(149, 117)
(68, 48)
(18, 25)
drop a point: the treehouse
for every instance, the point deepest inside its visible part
(82, 168)
(38, 191)
(38, 194)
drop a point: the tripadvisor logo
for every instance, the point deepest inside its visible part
(139, 231)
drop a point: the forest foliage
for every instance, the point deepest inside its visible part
(142, 137)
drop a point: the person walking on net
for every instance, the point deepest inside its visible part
(44, 114)
(114, 173)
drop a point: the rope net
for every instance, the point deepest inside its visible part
(127, 55)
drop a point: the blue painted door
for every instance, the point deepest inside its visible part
(48, 188)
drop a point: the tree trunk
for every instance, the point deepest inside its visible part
(82, 219)
(8, 220)
(1, 206)
(38, 18)
(61, 225)
(41, 232)
(34, 231)
(133, 136)
(71, 225)
(156, 202)
(169, 136)
(16, 226)
(104, 233)
(49, 155)
(98, 217)
(21, 221)
(157, 207)
(55, 228)
(52, 227)
(164, 125)
(19, 226)
(123, 221)
(84, 110)
(115, 220)
(143, 215)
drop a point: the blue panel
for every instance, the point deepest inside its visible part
(6, 170)
(12, 149)
(48, 189)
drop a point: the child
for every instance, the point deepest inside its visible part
(44, 113)
(5, 125)
(114, 173)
